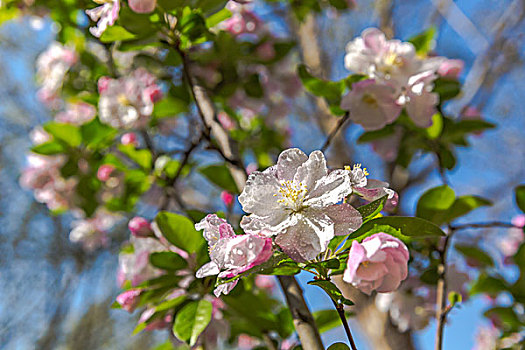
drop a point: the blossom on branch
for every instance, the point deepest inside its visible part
(231, 254)
(105, 15)
(379, 263)
(297, 201)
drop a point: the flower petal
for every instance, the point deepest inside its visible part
(258, 194)
(329, 189)
(346, 218)
(288, 163)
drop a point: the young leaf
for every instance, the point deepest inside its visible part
(326, 320)
(434, 203)
(192, 320)
(520, 197)
(424, 42)
(370, 210)
(332, 291)
(402, 227)
(142, 157)
(167, 261)
(464, 205)
(49, 148)
(66, 133)
(220, 176)
(116, 33)
(179, 231)
(454, 298)
(330, 90)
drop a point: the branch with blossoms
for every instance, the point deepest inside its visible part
(218, 74)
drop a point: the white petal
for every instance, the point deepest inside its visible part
(329, 189)
(312, 170)
(209, 269)
(288, 163)
(258, 194)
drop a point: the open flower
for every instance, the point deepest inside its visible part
(378, 263)
(296, 200)
(105, 15)
(230, 254)
(128, 102)
(371, 105)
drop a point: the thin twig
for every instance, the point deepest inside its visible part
(341, 312)
(335, 131)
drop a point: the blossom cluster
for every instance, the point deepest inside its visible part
(397, 78)
(300, 202)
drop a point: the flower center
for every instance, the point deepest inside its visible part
(292, 195)
(123, 100)
(369, 100)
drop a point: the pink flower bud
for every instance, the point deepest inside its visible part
(153, 92)
(227, 198)
(451, 68)
(265, 282)
(519, 220)
(129, 138)
(140, 227)
(225, 120)
(266, 51)
(103, 83)
(143, 6)
(104, 172)
(129, 299)
(379, 263)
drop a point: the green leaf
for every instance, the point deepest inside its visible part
(424, 42)
(370, 210)
(218, 17)
(435, 129)
(96, 135)
(48, 148)
(331, 90)
(220, 176)
(434, 203)
(446, 88)
(142, 157)
(369, 136)
(338, 346)
(171, 303)
(476, 254)
(180, 231)
(488, 285)
(332, 291)
(402, 227)
(464, 205)
(253, 86)
(520, 197)
(67, 133)
(454, 298)
(327, 264)
(339, 4)
(167, 261)
(169, 107)
(192, 320)
(326, 320)
(116, 33)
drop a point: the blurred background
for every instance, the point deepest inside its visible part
(54, 295)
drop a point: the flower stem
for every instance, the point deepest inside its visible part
(341, 312)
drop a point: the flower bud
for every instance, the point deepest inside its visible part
(103, 83)
(379, 263)
(227, 198)
(140, 227)
(104, 172)
(129, 138)
(129, 299)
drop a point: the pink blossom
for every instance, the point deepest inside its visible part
(230, 254)
(129, 138)
(92, 232)
(158, 323)
(514, 237)
(378, 263)
(104, 172)
(419, 100)
(244, 341)
(225, 120)
(103, 84)
(129, 299)
(135, 266)
(76, 113)
(371, 105)
(128, 102)
(142, 6)
(140, 227)
(105, 15)
(451, 68)
(227, 198)
(265, 282)
(519, 220)
(250, 168)
(266, 51)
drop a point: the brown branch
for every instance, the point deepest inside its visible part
(341, 311)
(482, 225)
(333, 133)
(302, 318)
(441, 290)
